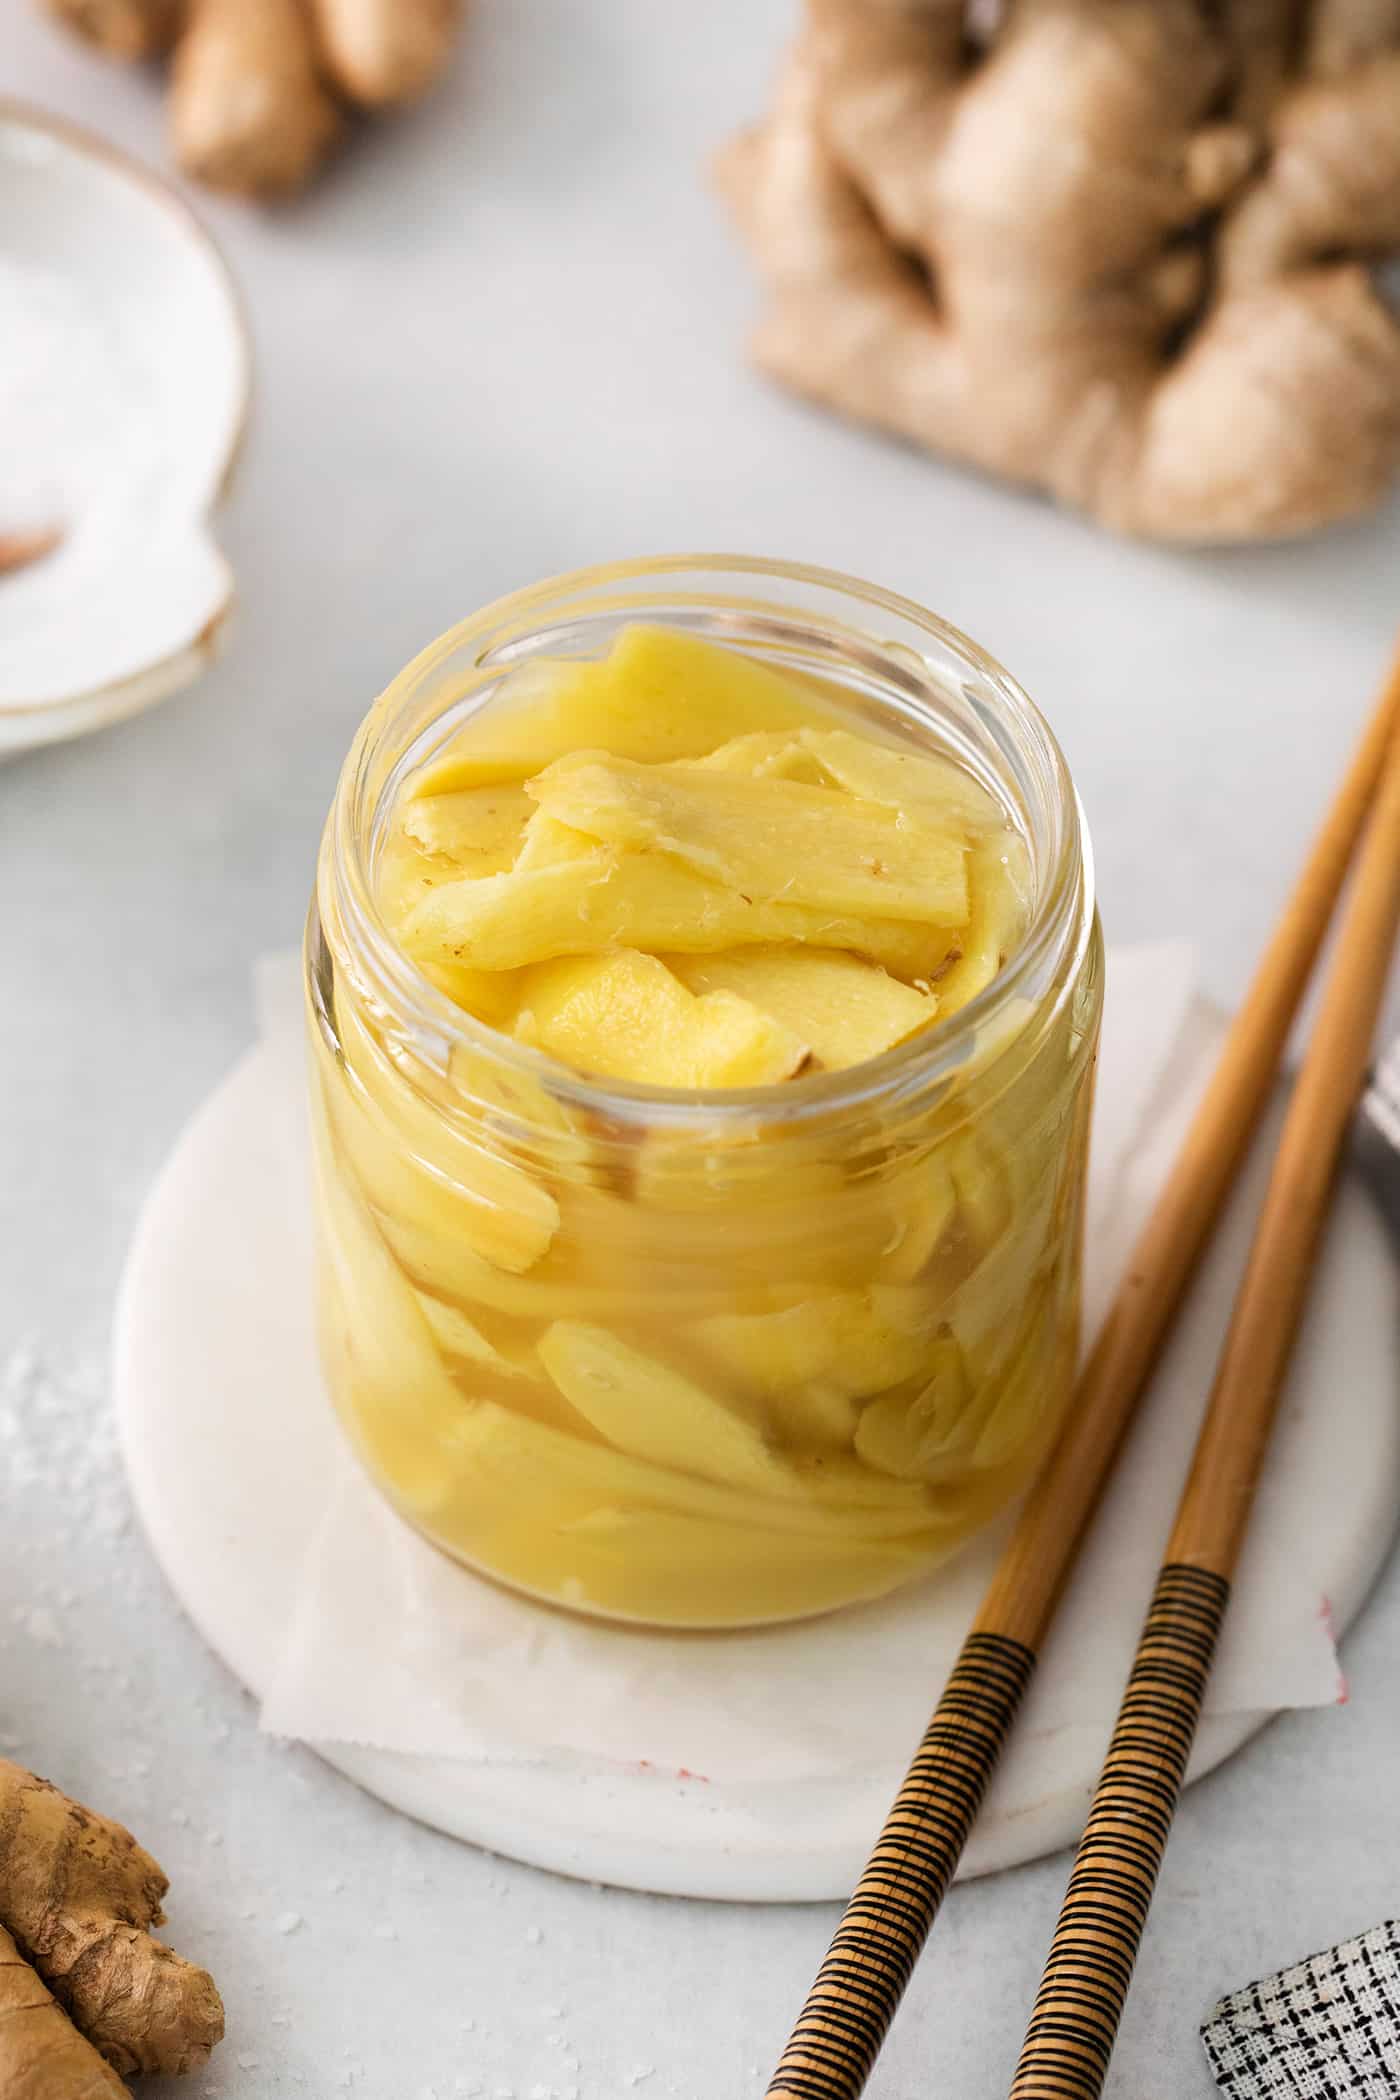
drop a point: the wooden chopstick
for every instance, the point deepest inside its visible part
(1075, 2022)
(858, 1988)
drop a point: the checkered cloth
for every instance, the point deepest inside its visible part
(1328, 2029)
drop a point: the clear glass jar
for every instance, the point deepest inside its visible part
(850, 1303)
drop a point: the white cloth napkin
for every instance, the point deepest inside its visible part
(389, 1644)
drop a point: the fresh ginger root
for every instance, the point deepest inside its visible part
(380, 51)
(78, 1897)
(125, 28)
(259, 89)
(248, 110)
(42, 2054)
(1123, 254)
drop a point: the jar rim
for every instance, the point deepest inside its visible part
(1062, 916)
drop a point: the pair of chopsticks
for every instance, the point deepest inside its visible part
(882, 1932)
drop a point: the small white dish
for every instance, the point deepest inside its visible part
(124, 384)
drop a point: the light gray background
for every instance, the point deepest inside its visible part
(504, 337)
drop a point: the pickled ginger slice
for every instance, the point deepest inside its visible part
(492, 996)
(479, 829)
(771, 840)
(999, 882)
(510, 1462)
(853, 1342)
(461, 1340)
(655, 1413)
(626, 1016)
(633, 900)
(417, 1169)
(912, 780)
(766, 754)
(660, 694)
(922, 1432)
(845, 1008)
(546, 843)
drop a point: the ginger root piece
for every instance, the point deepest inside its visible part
(126, 28)
(381, 51)
(42, 2054)
(78, 1896)
(1123, 255)
(248, 111)
(259, 88)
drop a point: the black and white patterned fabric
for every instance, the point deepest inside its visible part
(1328, 2029)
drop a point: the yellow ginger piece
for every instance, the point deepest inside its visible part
(505, 1462)
(625, 1015)
(409, 868)
(770, 839)
(1017, 1403)
(754, 1202)
(403, 1400)
(491, 996)
(847, 1009)
(635, 900)
(999, 887)
(585, 1282)
(462, 1341)
(767, 754)
(851, 1342)
(546, 843)
(924, 1434)
(652, 1412)
(406, 872)
(478, 829)
(660, 694)
(923, 1203)
(586, 1525)
(421, 1172)
(911, 780)
(963, 1420)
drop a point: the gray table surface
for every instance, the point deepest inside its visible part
(504, 338)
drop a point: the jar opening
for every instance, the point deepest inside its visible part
(889, 657)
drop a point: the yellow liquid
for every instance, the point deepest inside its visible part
(670, 1374)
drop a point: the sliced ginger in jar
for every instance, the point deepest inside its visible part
(772, 840)
(702, 1376)
(999, 908)
(499, 1457)
(765, 754)
(901, 779)
(417, 1169)
(610, 899)
(477, 830)
(623, 1014)
(845, 1008)
(654, 1412)
(659, 694)
(853, 1342)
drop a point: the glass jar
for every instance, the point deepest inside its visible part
(842, 1313)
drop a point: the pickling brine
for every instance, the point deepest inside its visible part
(703, 997)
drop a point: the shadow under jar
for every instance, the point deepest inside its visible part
(831, 1325)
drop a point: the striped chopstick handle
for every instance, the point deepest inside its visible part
(885, 1924)
(1070, 2039)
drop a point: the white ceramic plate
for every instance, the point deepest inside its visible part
(124, 382)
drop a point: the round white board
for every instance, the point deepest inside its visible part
(229, 1440)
